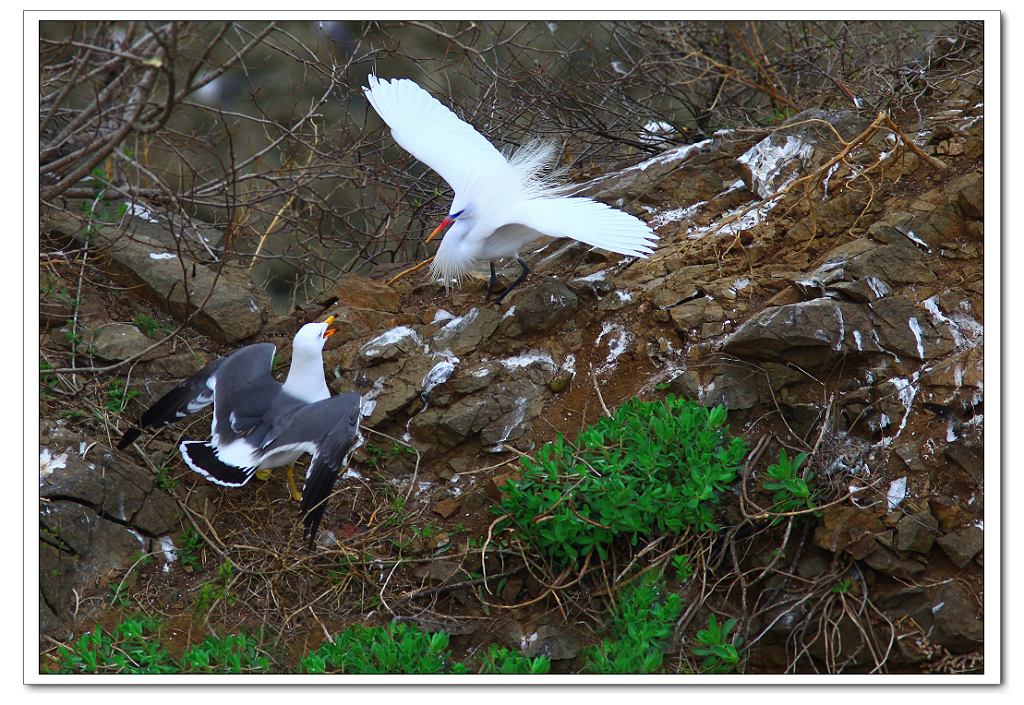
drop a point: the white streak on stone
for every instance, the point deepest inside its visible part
(897, 493)
(48, 462)
(619, 340)
(915, 327)
(375, 346)
(140, 212)
(526, 359)
(441, 316)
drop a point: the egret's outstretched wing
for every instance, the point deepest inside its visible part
(588, 221)
(433, 134)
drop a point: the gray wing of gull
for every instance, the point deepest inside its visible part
(331, 426)
(249, 403)
(251, 364)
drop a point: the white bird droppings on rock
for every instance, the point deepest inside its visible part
(48, 462)
(915, 327)
(897, 493)
(619, 340)
(140, 212)
(527, 359)
(375, 346)
(441, 316)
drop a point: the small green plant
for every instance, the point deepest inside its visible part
(147, 324)
(682, 567)
(379, 457)
(131, 647)
(502, 661)
(641, 624)
(164, 479)
(216, 590)
(99, 208)
(397, 648)
(720, 654)
(653, 467)
(71, 335)
(49, 380)
(234, 653)
(842, 587)
(119, 596)
(118, 396)
(192, 544)
(398, 509)
(792, 492)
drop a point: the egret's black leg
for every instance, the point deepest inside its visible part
(491, 283)
(519, 280)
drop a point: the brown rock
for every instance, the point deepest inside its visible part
(946, 511)
(362, 292)
(849, 529)
(962, 545)
(446, 507)
(916, 532)
(497, 482)
(692, 314)
(439, 571)
(958, 624)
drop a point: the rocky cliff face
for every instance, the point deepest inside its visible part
(834, 306)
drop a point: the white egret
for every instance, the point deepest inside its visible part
(501, 204)
(259, 423)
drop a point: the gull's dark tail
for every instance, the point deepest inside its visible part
(201, 457)
(129, 437)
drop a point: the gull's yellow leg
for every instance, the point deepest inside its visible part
(263, 474)
(296, 495)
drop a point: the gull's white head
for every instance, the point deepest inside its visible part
(312, 336)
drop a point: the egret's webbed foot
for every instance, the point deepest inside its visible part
(263, 475)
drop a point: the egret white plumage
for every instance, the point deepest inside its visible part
(501, 204)
(259, 423)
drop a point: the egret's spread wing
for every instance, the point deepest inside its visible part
(588, 221)
(433, 134)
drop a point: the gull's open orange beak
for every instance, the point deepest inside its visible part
(330, 331)
(444, 224)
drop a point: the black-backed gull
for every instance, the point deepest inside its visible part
(259, 423)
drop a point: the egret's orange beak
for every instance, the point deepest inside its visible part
(330, 331)
(444, 224)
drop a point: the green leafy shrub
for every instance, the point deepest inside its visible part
(192, 544)
(720, 655)
(653, 467)
(118, 396)
(132, 647)
(842, 587)
(147, 324)
(217, 590)
(792, 492)
(682, 567)
(641, 625)
(234, 653)
(500, 660)
(397, 648)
